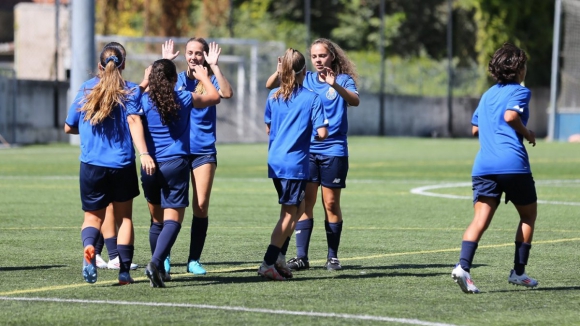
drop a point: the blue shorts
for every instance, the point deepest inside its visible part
(101, 186)
(329, 171)
(290, 192)
(196, 160)
(169, 185)
(520, 189)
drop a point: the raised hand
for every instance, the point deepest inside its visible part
(328, 76)
(279, 65)
(167, 50)
(213, 55)
(200, 72)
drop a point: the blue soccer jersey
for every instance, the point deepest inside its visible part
(291, 126)
(502, 150)
(167, 142)
(334, 110)
(109, 143)
(203, 120)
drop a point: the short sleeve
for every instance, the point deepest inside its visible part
(74, 113)
(133, 104)
(268, 112)
(520, 100)
(475, 118)
(215, 82)
(350, 84)
(185, 99)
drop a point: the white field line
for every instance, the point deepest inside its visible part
(233, 308)
(424, 191)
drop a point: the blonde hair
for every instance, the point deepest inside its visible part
(293, 63)
(341, 64)
(109, 91)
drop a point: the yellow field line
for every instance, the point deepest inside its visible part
(237, 269)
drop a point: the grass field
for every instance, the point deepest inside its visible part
(406, 205)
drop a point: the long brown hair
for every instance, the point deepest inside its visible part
(293, 63)
(199, 89)
(109, 91)
(161, 89)
(341, 64)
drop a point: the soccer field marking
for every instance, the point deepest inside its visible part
(424, 191)
(234, 308)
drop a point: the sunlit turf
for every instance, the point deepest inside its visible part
(397, 249)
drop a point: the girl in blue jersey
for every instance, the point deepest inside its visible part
(99, 114)
(292, 114)
(203, 153)
(167, 127)
(502, 165)
(334, 81)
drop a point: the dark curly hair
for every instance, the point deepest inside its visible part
(162, 81)
(506, 63)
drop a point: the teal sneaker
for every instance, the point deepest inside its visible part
(167, 264)
(90, 265)
(195, 267)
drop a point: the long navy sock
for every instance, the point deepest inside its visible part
(521, 256)
(99, 244)
(468, 249)
(89, 236)
(154, 232)
(284, 248)
(303, 233)
(125, 257)
(271, 255)
(197, 239)
(165, 241)
(333, 232)
(111, 244)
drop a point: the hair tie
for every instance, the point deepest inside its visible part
(113, 58)
(299, 71)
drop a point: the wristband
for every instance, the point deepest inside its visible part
(143, 154)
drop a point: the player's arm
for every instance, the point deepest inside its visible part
(211, 97)
(321, 133)
(268, 129)
(71, 130)
(211, 58)
(475, 131)
(349, 96)
(274, 80)
(138, 136)
(513, 120)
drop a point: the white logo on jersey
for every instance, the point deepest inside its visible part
(336, 180)
(517, 107)
(325, 121)
(331, 93)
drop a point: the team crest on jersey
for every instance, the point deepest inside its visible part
(331, 93)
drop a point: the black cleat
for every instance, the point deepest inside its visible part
(332, 264)
(298, 264)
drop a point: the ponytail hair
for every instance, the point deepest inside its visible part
(109, 91)
(293, 63)
(200, 89)
(161, 89)
(341, 64)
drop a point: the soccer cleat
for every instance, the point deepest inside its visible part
(89, 265)
(115, 264)
(167, 264)
(270, 272)
(298, 264)
(166, 277)
(125, 278)
(332, 264)
(101, 263)
(282, 268)
(195, 267)
(463, 279)
(154, 277)
(523, 280)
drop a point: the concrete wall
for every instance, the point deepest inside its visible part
(411, 116)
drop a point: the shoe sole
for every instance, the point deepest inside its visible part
(270, 279)
(522, 284)
(462, 284)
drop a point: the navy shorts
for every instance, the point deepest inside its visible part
(101, 186)
(520, 189)
(329, 171)
(169, 185)
(290, 192)
(196, 161)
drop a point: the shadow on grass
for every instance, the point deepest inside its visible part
(521, 289)
(29, 268)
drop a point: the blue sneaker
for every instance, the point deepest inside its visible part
(167, 264)
(194, 267)
(90, 265)
(125, 278)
